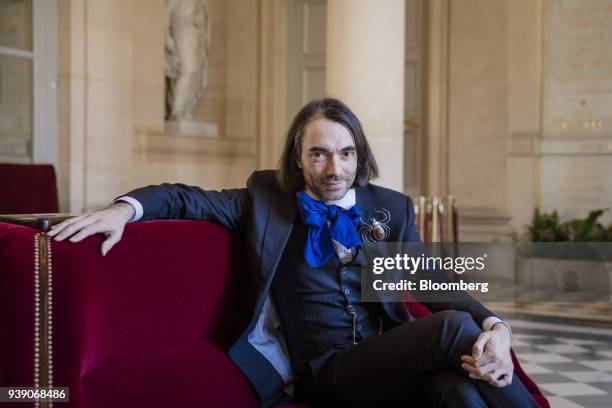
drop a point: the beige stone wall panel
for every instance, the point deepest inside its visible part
(111, 62)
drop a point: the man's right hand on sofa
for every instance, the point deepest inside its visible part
(109, 221)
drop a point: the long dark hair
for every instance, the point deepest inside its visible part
(290, 177)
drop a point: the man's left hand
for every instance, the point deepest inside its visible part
(491, 360)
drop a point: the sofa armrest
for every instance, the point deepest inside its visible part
(166, 283)
(42, 222)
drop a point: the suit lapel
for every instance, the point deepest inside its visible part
(279, 225)
(369, 203)
(364, 199)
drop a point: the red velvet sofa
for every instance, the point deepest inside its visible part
(147, 325)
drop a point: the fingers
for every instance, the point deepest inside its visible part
(479, 372)
(488, 356)
(478, 347)
(109, 243)
(74, 227)
(500, 378)
(109, 221)
(56, 229)
(468, 359)
(90, 229)
(493, 373)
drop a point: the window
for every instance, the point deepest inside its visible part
(28, 81)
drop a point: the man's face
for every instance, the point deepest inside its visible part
(328, 160)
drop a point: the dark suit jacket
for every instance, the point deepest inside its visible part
(264, 216)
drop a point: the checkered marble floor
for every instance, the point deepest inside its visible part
(572, 364)
(597, 311)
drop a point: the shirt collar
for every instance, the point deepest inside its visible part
(345, 202)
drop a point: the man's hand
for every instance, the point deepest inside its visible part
(109, 221)
(491, 360)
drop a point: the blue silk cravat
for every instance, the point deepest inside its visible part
(342, 229)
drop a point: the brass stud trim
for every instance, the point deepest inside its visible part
(43, 315)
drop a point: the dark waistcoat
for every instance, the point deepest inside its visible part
(320, 308)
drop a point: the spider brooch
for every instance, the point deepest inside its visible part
(378, 229)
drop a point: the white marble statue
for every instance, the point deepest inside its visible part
(188, 40)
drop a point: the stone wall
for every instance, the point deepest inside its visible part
(112, 98)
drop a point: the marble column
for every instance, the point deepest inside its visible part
(365, 69)
(478, 118)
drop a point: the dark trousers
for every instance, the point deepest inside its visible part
(416, 364)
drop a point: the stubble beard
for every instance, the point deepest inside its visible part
(330, 193)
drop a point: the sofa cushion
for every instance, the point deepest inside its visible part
(197, 374)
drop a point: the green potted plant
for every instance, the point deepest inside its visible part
(551, 260)
(546, 227)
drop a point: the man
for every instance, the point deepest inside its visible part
(302, 247)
